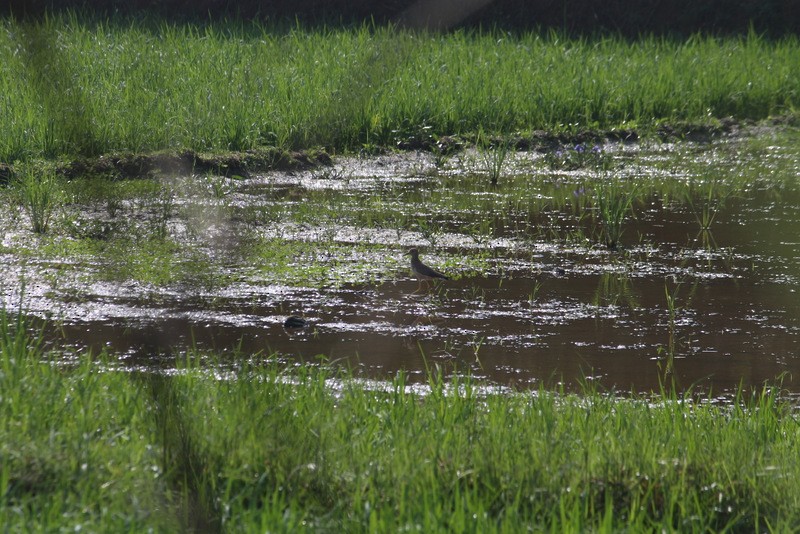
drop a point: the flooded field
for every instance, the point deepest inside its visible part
(624, 264)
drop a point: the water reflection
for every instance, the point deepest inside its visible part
(701, 289)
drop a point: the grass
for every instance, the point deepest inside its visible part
(72, 84)
(494, 156)
(613, 203)
(269, 447)
(76, 451)
(39, 192)
(578, 157)
(672, 313)
(256, 445)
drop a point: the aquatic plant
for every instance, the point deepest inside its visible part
(494, 154)
(612, 202)
(219, 187)
(534, 292)
(615, 289)
(164, 207)
(429, 229)
(706, 198)
(672, 312)
(39, 193)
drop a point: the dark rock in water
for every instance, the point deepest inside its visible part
(294, 321)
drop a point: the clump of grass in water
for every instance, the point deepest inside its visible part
(672, 313)
(40, 194)
(494, 156)
(164, 210)
(706, 199)
(612, 202)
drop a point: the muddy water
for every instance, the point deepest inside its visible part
(536, 297)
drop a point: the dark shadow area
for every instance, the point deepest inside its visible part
(69, 127)
(772, 18)
(185, 469)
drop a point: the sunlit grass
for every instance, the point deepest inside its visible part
(40, 193)
(75, 449)
(263, 446)
(613, 204)
(72, 85)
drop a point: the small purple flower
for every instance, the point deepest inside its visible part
(578, 192)
(596, 149)
(580, 149)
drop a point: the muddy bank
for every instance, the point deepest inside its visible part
(126, 165)
(188, 161)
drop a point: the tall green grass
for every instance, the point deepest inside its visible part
(72, 85)
(77, 450)
(264, 447)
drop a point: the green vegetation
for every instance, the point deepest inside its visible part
(333, 227)
(39, 194)
(265, 447)
(493, 157)
(248, 444)
(74, 85)
(613, 204)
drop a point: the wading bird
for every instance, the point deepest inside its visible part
(422, 271)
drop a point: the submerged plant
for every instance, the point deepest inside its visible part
(615, 289)
(39, 195)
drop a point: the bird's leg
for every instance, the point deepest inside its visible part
(419, 285)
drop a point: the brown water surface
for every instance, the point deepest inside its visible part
(536, 298)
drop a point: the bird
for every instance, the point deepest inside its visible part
(422, 271)
(293, 321)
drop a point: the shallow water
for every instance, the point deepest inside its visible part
(536, 297)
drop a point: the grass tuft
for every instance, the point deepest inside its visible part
(39, 193)
(613, 203)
